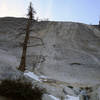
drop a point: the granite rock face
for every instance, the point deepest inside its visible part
(64, 51)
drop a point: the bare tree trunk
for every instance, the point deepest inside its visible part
(23, 57)
(30, 14)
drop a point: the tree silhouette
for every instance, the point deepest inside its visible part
(31, 13)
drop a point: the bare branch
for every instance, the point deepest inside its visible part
(38, 38)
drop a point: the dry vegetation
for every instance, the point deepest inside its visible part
(20, 91)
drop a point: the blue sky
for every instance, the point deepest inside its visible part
(85, 11)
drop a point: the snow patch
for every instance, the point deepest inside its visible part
(42, 76)
(35, 77)
(53, 97)
(72, 98)
(32, 75)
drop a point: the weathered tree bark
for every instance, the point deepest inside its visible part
(30, 14)
(24, 52)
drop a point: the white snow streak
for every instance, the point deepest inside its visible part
(32, 75)
(53, 97)
(72, 98)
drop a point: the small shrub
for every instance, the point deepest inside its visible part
(70, 87)
(20, 91)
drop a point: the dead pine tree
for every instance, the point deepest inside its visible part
(30, 14)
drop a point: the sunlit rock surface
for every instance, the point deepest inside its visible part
(64, 51)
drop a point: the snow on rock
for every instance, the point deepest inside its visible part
(32, 75)
(49, 97)
(35, 77)
(44, 77)
(68, 90)
(72, 98)
(53, 97)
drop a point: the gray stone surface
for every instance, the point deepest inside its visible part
(8, 66)
(64, 51)
(69, 91)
